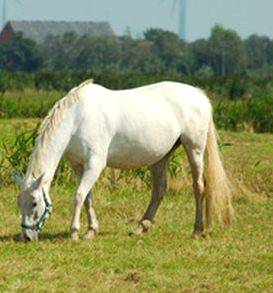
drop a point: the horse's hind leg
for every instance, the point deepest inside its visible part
(196, 157)
(90, 174)
(159, 179)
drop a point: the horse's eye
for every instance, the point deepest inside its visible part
(34, 204)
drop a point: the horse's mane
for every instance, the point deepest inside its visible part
(49, 125)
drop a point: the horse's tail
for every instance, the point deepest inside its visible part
(217, 187)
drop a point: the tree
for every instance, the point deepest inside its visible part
(257, 51)
(167, 46)
(200, 55)
(138, 55)
(96, 52)
(226, 49)
(20, 54)
(58, 51)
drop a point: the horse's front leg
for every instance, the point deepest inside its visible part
(91, 172)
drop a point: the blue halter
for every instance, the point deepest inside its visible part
(44, 216)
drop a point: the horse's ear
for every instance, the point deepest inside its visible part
(16, 176)
(37, 184)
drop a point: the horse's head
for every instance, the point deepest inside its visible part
(34, 206)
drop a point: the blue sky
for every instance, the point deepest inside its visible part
(245, 16)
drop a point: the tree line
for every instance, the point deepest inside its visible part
(223, 53)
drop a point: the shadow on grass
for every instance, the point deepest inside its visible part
(6, 238)
(42, 237)
(53, 237)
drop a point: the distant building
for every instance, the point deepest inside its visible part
(39, 30)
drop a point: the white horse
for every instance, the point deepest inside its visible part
(96, 127)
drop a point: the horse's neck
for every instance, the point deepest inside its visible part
(47, 154)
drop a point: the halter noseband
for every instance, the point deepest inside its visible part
(44, 216)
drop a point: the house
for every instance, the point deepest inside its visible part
(39, 30)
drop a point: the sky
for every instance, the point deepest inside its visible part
(245, 16)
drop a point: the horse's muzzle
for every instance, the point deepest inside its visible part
(30, 235)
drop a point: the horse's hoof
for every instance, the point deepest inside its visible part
(143, 227)
(90, 234)
(74, 236)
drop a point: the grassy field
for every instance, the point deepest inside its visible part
(234, 259)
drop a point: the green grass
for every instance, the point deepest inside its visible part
(234, 259)
(27, 103)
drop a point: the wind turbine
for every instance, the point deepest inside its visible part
(5, 11)
(182, 6)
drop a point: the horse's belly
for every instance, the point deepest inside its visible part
(125, 153)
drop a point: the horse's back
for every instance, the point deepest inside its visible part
(165, 111)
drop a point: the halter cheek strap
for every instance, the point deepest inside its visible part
(44, 216)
